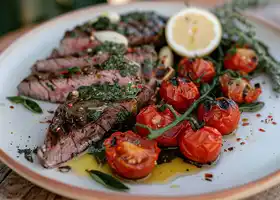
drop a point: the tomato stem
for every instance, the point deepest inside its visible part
(170, 107)
(158, 132)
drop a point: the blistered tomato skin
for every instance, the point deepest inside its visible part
(152, 117)
(179, 93)
(197, 69)
(223, 115)
(239, 89)
(241, 59)
(202, 146)
(131, 156)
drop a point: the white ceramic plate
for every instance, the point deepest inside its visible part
(247, 169)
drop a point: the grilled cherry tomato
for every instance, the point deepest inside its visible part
(197, 69)
(202, 146)
(131, 156)
(223, 115)
(179, 93)
(241, 59)
(239, 89)
(152, 117)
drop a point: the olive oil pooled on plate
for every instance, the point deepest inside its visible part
(161, 173)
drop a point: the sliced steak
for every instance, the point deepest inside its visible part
(52, 65)
(139, 55)
(57, 89)
(62, 144)
(72, 45)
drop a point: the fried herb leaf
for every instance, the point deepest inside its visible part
(252, 107)
(32, 106)
(16, 99)
(107, 180)
(27, 103)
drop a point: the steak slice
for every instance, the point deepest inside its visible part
(139, 27)
(62, 144)
(139, 55)
(56, 89)
(52, 65)
(73, 45)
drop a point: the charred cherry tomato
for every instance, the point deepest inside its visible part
(179, 93)
(241, 59)
(223, 115)
(239, 89)
(197, 69)
(202, 146)
(131, 156)
(152, 117)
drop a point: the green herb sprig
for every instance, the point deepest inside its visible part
(237, 28)
(27, 103)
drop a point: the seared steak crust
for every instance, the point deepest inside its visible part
(61, 146)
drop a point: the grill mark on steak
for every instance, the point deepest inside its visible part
(70, 46)
(139, 55)
(38, 89)
(59, 149)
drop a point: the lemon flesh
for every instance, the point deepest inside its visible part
(193, 32)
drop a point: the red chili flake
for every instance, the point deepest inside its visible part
(129, 50)
(245, 120)
(64, 72)
(274, 123)
(245, 124)
(258, 115)
(140, 86)
(238, 139)
(269, 116)
(70, 105)
(230, 148)
(261, 130)
(12, 107)
(242, 143)
(208, 175)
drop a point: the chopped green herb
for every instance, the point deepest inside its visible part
(74, 70)
(110, 47)
(119, 62)
(123, 116)
(107, 92)
(107, 180)
(93, 115)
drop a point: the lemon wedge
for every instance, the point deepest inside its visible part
(193, 32)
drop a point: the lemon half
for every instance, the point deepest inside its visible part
(193, 32)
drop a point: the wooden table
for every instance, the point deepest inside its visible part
(14, 187)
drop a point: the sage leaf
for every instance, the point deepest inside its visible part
(32, 106)
(251, 107)
(107, 180)
(16, 99)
